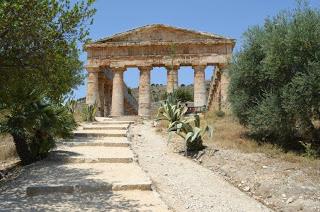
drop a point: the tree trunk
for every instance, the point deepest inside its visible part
(22, 149)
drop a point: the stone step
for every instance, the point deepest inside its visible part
(106, 127)
(91, 154)
(107, 142)
(84, 177)
(100, 133)
(111, 201)
(112, 122)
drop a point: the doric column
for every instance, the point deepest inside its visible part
(175, 79)
(172, 78)
(144, 92)
(224, 84)
(199, 86)
(92, 85)
(117, 108)
(100, 100)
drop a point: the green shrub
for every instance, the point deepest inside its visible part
(189, 129)
(35, 128)
(311, 151)
(181, 94)
(274, 88)
(89, 112)
(220, 113)
(72, 105)
(163, 96)
(171, 110)
(129, 91)
(184, 95)
(31, 94)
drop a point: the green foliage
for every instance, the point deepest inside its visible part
(170, 98)
(190, 130)
(181, 94)
(89, 112)
(39, 50)
(274, 88)
(220, 113)
(35, 127)
(39, 67)
(311, 151)
(72, 105)
(155, 96)
(163, 96)
(184, 95)
(129, 91)
(171, 110)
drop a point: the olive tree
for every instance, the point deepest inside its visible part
(275, 78)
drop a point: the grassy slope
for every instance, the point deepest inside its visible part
(229, 134)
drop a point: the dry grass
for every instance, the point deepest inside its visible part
(229, 134)
(7, 148)
(162, 126)
(78, 116)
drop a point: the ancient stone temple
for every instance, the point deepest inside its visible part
(154, 46)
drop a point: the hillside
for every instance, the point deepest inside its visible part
(158, 91)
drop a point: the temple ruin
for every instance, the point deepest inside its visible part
(155, 46)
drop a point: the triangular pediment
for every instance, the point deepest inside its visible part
(161, 33)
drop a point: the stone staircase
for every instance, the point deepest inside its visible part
(213, 96)
(98, 159)
(130, 102)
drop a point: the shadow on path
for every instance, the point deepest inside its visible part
(13, 193)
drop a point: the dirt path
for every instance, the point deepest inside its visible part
(183, 184)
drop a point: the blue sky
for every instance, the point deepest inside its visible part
(225, 17)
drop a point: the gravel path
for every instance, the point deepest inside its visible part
(183, 184)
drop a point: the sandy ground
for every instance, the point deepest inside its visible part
(182, 183)
(281, 185)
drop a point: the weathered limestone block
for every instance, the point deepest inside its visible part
(172, 78)
(199, 86)
(92, 85)
(175, 79)
(144, 92)
(117, 92)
